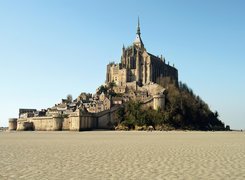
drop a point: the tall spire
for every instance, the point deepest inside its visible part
(138, 28)
(138, 42)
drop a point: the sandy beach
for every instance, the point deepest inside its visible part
(122, 155)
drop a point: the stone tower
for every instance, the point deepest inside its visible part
(12, 124)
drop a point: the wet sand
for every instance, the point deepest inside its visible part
(122, 155)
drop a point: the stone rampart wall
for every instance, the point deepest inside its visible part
(106, 119)
(88, 122)
(47, 123)
(74, 122)
(66, 124)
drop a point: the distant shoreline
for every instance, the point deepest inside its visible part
(5, 129)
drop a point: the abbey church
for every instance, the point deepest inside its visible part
(138, 65)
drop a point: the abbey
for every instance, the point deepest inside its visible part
(140, 76)
(138, 65)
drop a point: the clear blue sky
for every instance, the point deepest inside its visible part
(51, 48)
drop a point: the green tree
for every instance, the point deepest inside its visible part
(184, 110)
(111, 85)
(102, 89)
(69, 98)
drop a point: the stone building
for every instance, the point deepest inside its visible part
(138, 65)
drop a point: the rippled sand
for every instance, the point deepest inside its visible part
(122, 155)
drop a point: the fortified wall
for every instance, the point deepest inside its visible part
(76, 121)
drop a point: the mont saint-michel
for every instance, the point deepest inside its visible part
(141, 92)
(90, 91)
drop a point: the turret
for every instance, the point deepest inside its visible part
(123, 57)
(123, 51)
(12, 124)
(159, 102)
